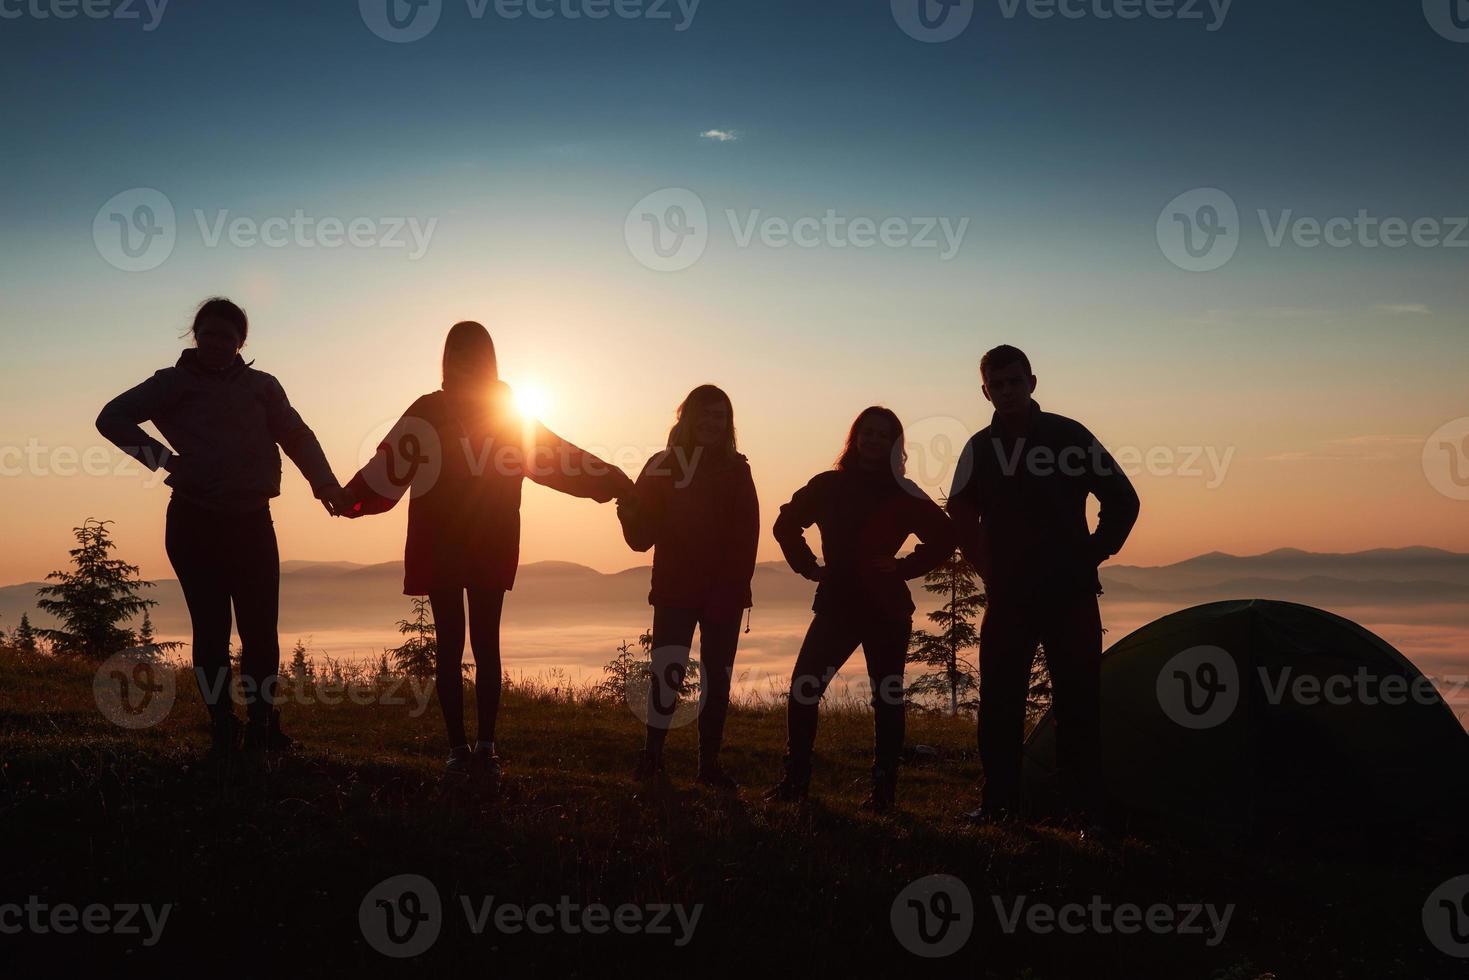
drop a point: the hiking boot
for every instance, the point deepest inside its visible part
(794, 785)
(884, 793)
(987, 816)
(788, 790)
(484, 766)
(224, 736)
(712, 774)
(266, 736)
(649, 767)
(460, 764)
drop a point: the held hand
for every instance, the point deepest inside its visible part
(623, 485)
(337, 500)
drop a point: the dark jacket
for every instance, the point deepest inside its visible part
(1020, 507)
(704, 529)
(464, 457)
(225, 426)
(864, 516)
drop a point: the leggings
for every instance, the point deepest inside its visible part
(830, 640)
(223, 558)
(485, 606)
(673, 635)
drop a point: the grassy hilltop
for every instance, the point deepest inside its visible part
(273, 862)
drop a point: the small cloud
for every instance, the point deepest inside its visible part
(1361, 449)
(720, 135)
(1237, 317)
(1404, 309)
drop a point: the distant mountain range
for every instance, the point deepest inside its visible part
(338, 595)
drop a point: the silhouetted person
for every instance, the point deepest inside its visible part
(695, 506)
(223, 421)
(464, 451)
(1019, 502)
(865, 508)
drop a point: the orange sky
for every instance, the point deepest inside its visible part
(1251, 449)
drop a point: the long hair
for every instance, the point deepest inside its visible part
(469, 357)
(681, 436)
(848, 459)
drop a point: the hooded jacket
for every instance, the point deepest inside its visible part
(462, 458)
(864, 517)
(225, 427)
(703, 526)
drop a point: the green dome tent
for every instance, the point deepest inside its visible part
(1260, 713)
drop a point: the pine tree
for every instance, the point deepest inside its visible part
(630, 664)
(419, 654)
(301, 669)
(150, 645)
(621, 669)
(95, 599)
(952, 676)
(26, 638)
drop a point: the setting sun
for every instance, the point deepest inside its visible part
(530, 399)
